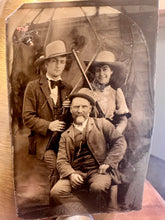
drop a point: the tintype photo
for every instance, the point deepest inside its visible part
(80, 80)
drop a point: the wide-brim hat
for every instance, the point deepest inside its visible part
(86, 94)
(105, 58)
(53, 49)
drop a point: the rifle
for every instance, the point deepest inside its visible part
(55, 137)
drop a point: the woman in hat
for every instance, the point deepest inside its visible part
(106, 76)
(104, 70)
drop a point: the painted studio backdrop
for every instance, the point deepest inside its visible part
(125, 28)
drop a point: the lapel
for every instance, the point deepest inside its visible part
(90, 124)
(45, 89)
(70, 132)
(88, 131)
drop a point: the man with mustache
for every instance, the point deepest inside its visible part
(89, 153)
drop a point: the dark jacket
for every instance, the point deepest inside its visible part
(38, 112)
(106, 144)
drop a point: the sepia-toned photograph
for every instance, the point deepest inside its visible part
(81, 99)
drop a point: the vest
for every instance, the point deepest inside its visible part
(83, 158)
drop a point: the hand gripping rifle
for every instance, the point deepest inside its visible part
(54, 139)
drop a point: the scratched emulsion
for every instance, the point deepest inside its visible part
(6, 174)
(7, 207)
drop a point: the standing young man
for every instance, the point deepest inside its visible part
(43, 105)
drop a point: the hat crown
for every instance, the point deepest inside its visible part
(105, 57)
(86, 94)
(55, 48)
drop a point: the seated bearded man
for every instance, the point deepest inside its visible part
(89, 153)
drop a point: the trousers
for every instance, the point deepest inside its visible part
(62, 192)
(50, 159)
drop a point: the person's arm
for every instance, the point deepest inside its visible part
(117, 144)
(30, 117)
(121, 126)
(122, 112)
(63, 163)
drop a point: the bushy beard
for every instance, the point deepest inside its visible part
(79, 119)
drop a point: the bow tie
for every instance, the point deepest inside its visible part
(53, 84)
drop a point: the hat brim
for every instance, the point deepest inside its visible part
(116, 64)
(82, 95)
(42, 59)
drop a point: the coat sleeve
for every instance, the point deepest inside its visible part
(116, 144)
(63, 162)
(30, 117)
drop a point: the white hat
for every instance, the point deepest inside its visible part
(105, 57)
(53, 49)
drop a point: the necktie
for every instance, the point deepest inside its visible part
(55, 83)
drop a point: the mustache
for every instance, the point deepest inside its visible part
(79, 114)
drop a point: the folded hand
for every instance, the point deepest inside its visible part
(76, 180)
(57, 125)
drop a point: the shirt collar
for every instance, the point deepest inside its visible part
(50, 78)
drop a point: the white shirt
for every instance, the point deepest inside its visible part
(54, 91)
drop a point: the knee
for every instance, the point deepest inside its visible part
(59, 191)
(55, 192)
(95, 188)
(100, 185)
